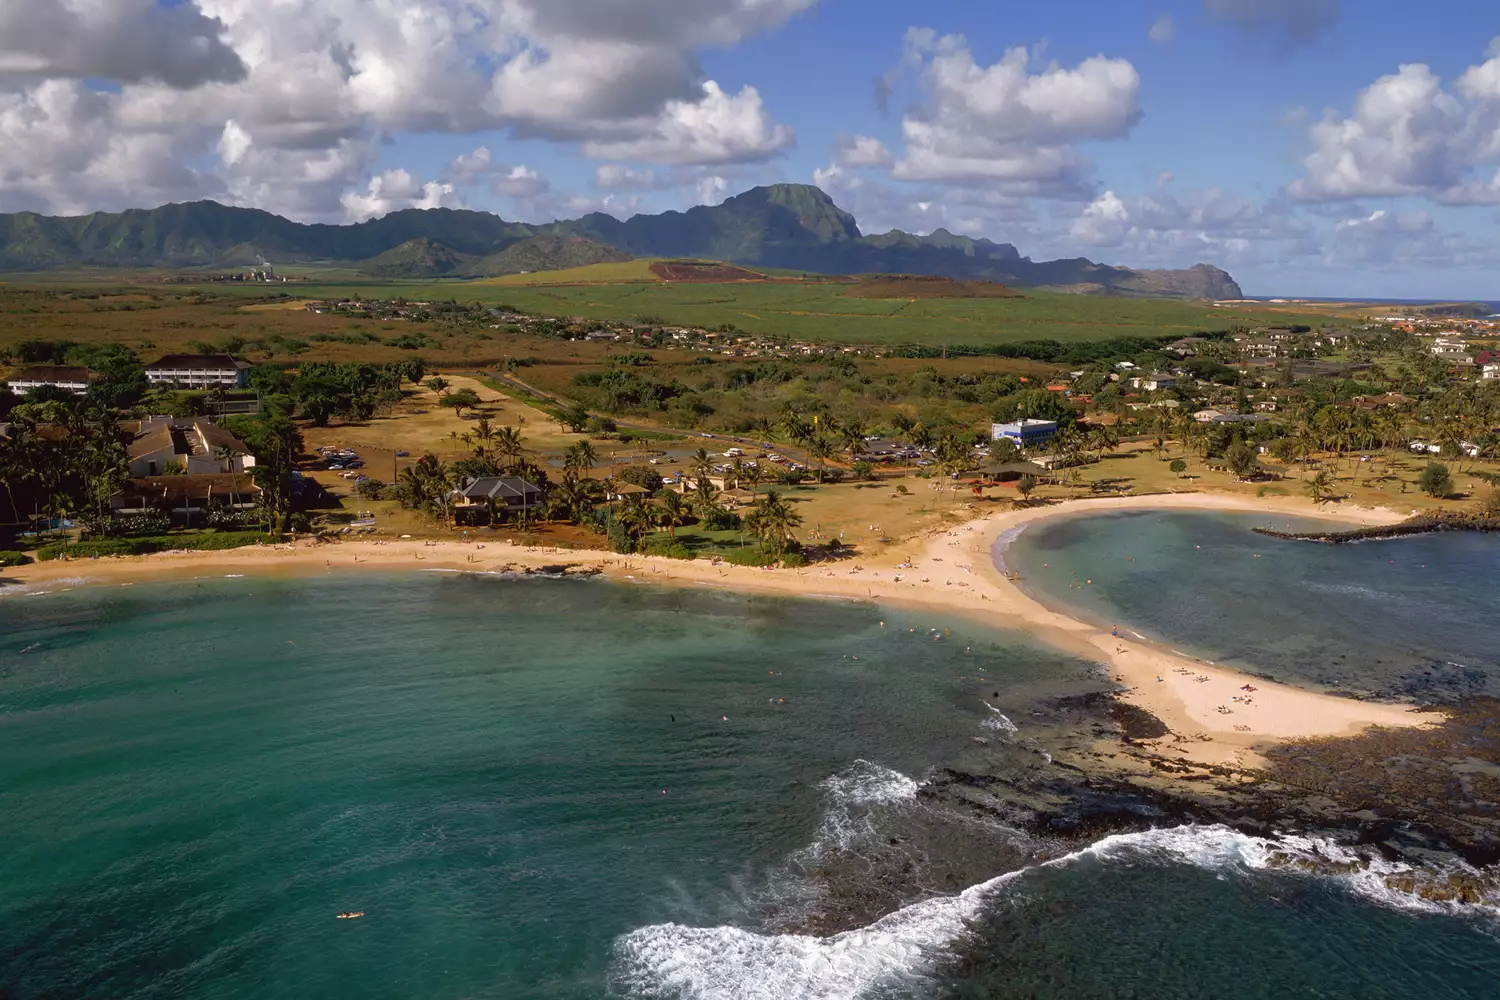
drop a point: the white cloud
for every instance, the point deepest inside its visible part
(1104, 223)
(1005, 123)
(469, 169)
(716, 128)
(1399, 240)
(1409, 135)
(712, 190)
(311, 86)
(1286, 23)
(861, 151)
(507, 181)
(1161, 228)
(518, 182)
(394, 190)
(1163, 30)
(616, 177)
(126, 41)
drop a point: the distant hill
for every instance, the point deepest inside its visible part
(423, 258)
(549, 252)
(784, 226)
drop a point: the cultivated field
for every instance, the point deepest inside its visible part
(826, 311)
(177, 317)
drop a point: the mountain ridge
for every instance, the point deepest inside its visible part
(793, 226)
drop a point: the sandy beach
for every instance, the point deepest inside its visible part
(948, 572)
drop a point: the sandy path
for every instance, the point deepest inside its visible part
(949, 570)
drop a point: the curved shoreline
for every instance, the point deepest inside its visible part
(948, 571)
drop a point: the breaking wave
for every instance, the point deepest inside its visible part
(901, 950)
(853, 796)
(999, 721)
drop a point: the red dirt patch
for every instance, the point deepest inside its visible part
(922, 286)
(702, 273)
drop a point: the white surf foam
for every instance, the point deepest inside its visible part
(999, 721)
(853, 795)
(728, 963)
(38, 589)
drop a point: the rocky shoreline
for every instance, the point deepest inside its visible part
(1417, 809)
(1425, 524)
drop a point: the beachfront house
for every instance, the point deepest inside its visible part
(490, 498)
(187, 499)
(199, 371)
(69, 378)
(196, 447)
(1025, 432)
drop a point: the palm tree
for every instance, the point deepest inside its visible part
(736, 477)
(852, 435)
(921, 437)
(903, 425)
(1319, 486)
(509, 444)
(706, 494)
(484, 433)
(773, 521)
(672, 513)
(796, 428)
(1102, 439)
(633, 516)
(702, 464)
(819, 449)
(581, 458)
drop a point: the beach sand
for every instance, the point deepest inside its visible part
(948, 571)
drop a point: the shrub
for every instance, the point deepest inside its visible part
(640, 475)
(864, 470)
(794, 560)
(370, 489)
(8, 558)
(754, 555)
(719, 519)
(668, 548)
(1178, 466)
(1436, 480)
(211, 542)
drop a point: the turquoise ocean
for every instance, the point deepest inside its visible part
(566, 789)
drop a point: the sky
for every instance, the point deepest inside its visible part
(1310, 147)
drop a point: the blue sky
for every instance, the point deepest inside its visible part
(1310, 147)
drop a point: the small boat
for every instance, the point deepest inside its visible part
(352, 915)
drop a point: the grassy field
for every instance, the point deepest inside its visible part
(172, 315)
(820, 311)
(629, 270)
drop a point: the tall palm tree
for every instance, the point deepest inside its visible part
(484, 433)
(509, 444)
(820, 449)
(672, 513)
(773, 521)
(852, 434)
(702, 464)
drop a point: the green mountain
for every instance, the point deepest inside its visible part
(791, 226)
(549, 252)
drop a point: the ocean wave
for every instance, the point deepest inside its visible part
(1002, 545)
(901, 949)
(852, 797)
(38, 589)
(999, 721)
